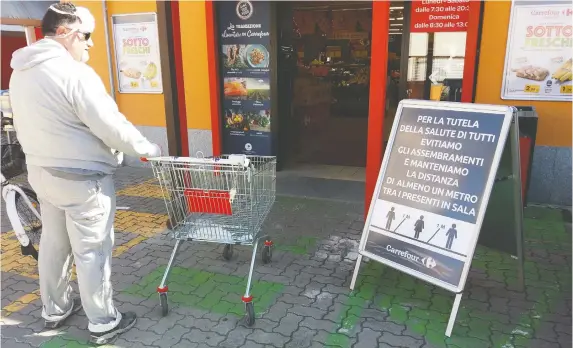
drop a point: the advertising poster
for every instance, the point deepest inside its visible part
(137, 58)
(432, 193)
(538, 59)
(244, 34)
(439, 16)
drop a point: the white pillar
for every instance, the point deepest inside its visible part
(30, 35)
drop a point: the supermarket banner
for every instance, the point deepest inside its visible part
(431, 16)
(244, 37)
(137, 53)
(538, 56)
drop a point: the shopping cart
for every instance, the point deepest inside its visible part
(217, 199)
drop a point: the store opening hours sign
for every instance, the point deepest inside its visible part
(430, 16)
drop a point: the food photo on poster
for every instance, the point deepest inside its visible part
(258, 120)
(538, 62)
(137, 53)
(239, 57)
(235, 88)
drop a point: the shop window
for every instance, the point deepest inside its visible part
(418, 51)
(417, 69)
(450, 44)
(436, 65)
(451, 68)
(418, 44)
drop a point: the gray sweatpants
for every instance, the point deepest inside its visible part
(77, 219)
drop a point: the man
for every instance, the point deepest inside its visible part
(418, 227)
(389, 218)
(451, 234)
(73, 135)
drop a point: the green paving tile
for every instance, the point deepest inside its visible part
(425, 309)
(302, 245)
(542, 213)
(68, 342)
(209, 291)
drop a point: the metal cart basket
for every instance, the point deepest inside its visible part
(217, 199)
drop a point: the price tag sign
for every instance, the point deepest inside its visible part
(134, 84)
(565, 89)
(531, 89)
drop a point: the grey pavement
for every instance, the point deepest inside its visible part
(302, 298)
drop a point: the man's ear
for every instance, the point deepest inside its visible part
(61, 30)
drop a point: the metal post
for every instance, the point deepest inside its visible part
(170, 264)
(356, 269)
(30, 35)
(250, 277)
(518, 198)
(108, 49)
(453, 314)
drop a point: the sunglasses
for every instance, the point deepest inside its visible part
(86, 35)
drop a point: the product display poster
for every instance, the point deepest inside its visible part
(538, 60)
(433, 188)
(138, 64)
(244, 53)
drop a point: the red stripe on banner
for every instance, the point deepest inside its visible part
(213, 78)
(179, 80)
(468, 81)
(376, 110)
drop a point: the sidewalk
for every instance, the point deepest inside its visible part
(302, 298)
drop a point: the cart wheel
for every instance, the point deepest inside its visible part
(267, 254)
(164, 305)
(250, 316)
(228, 252)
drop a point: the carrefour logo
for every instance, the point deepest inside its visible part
(428, 262)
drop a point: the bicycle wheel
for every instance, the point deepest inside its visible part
(30, 222)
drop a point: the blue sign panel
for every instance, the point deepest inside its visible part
(244, 37)
(433, 188)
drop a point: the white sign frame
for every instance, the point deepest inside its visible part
(509, 54)
(117, 56)
(508, 113)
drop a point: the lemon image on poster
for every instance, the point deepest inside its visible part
(142, 77)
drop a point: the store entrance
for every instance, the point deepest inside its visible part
(324, 81)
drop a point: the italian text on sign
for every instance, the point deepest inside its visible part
(431, 16)
(433, 188)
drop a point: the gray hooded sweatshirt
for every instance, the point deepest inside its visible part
(64, 117)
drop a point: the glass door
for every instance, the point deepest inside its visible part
(433, 64)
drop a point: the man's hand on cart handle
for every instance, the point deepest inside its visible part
(158, 152)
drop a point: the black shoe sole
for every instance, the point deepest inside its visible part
(111, 336)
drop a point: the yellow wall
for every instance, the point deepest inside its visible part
(149, 109)
(140, 109)
(195, 63)
(98, 55)
(554, 127)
